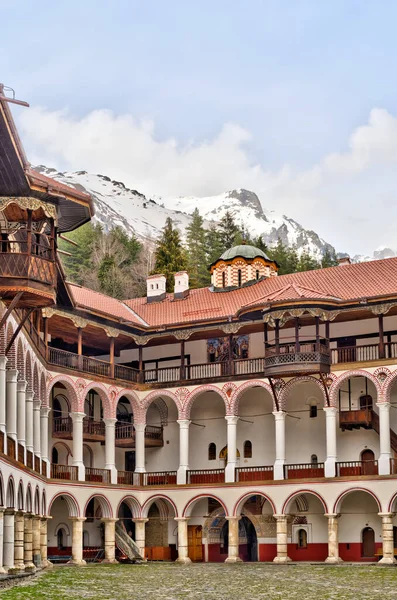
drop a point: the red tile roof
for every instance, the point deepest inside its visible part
(343, 283)
(55, 186)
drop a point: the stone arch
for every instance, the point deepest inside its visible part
(28, 372)
(37, 501)
(11, 356)
(236, 397)
(162, 502)
(43, 395)
(43, 503)
(298, 381)
(133, 399)
(63, 526)
(339, 500)
(29, 500)
(20, 358)
(190, 504)
(88, 451)
(10, 494)
(336, 384)
(388, 385)
(391, 506)
(71, 503)
(158, 394)
(20, 496)
(301, 500)
(104, 504)
(202, 389)
(64, 446)
(132, 504)
(109, 411)
(70, 387)
(243, 499)
(36, 382)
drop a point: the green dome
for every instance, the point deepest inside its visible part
(243, 251)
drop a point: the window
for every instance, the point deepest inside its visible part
(239, 277)
(224, 279)
(247, 449)
(61, 539)
(212, 451)
(157, 286)
(54, 458)
(314, 460)
(302, 538)
(313, 411)
(257, 274)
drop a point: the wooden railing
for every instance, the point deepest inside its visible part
(125, 431)
(97, 475)
(68, 472)
(37, 464)
(11, 447)
(254, 473)
(355, 353)
(2, 441)
(29, 459)
(356, 468)
(126, 373)
(157, 478)
(62, 425)
(17, 265)
(206, 476)
(21, 454)
(125, 477)
(303, 470)
(92, 427)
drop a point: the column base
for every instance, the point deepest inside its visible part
(387, 560)
(333, 560)
(181, 476)
(278, 470)
(113, 473)
(46, 564)
(384, 464)
(13, 571)
(330, 467)
(2, 571)
(77, 563)
(110, 561)
(230, 473)
(233, 559)
(281, 560)
(30, 568)
(183, 561)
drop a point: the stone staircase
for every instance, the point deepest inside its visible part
(126, 544)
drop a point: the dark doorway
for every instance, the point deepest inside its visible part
(368, 550)
(252, 539)
(347, 349)
(368, 466)
(130, 461)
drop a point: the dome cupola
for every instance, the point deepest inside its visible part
(240, 266)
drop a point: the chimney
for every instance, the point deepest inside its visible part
(345, 260)
(181, 287)
(155, 288)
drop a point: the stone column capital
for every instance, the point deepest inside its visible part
(383, 405)
(77, 417)
(12, 375)
(279, 415)
(108, 520)
(181, 519)
(110, 422)
(140, 520)
(330, 410)
(183, 423)
(388, 515)
(77, 519)
(3, 362)
(29, 396)
(332, 515)
(9, 511)
(232, 518)
(45, 411)
(21, 385)
(232, 419)
(46, 518)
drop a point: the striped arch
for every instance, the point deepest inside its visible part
(236, 397)
(43, 395)
(20, 358)
(29, 372)
(109, 411)
(3, 336)
(106, 508)
(20, 497)
(243, 499)
(388, 385)
(302, 502)
(134, 403)
(192, 502)
(36, 383)
(71, 503)
(10, 494)
(155, 499)
(132, 504)
(37, 501)
(44, 504)
(11, 356)
(154, 395)
(202, 389)
(339, 500)
(70, 387)
(29, 499)
(297, 381)
(336, 384)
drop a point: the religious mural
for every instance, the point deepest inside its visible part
(218, 348)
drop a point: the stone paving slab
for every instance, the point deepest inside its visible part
(168, 581)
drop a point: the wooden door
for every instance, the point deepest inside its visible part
(368, 463)
(195, 542)
(368, 542)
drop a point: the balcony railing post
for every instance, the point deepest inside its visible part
(182, 360)
(381, 338)
(111, 357)
(317, 334)
(80, 347)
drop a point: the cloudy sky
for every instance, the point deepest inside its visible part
(295, 100)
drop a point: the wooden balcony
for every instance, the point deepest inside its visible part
(206, 476)
(254, 473)
(356, 468)
(125, 436)
(296, 359)
(303, 471)
(97, 475)
(354, 419)
(67, 472)
(94, 431)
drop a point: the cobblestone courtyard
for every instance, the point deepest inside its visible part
(210, 581)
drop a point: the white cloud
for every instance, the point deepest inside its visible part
(337, 196)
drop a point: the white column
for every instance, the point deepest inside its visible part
(77, 539)
(44, 412)
(384, 438)
(11, 403)
(2, 570)
(3, 379)
(233, 539)
(230, 470)
(183, 557)
(78, 462)
(8, 558)
(282, 539)
(21, 414)
(330, 432)
(279, 421)
(387, 539)
(183, 451)
(29, 421)
(140, 535)
(36, 428)
(140, 447)
(333, 539)
(110, 448)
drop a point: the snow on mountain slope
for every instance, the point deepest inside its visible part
(115, 204)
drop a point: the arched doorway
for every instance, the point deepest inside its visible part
(248, 540)
(368, 544)
(369, 467)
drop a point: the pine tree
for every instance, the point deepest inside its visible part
(170, 256)
(259, 243)
(329, 259)
(228, 230)
(196, 254)
(306, 262)
(80, 260)
(214, 245)
(280, 254)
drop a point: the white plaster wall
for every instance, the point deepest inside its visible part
(358, 510)
(256, 424)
